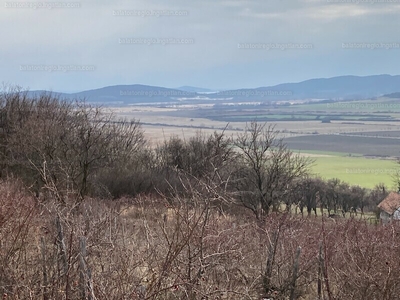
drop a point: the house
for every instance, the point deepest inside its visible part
(390, 208)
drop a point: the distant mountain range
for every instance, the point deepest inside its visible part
(126, 94)
(336, 88)
(392, 95)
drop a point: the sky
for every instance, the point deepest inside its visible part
(216, 44)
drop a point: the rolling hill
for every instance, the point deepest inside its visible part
(336, 88)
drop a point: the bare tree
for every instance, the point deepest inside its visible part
(309, 188)
(208, 158)
(95, 141)
(267, 168)
(60, 145)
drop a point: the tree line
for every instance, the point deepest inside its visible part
(69, 150)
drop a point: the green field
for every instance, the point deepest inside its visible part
(360, 171)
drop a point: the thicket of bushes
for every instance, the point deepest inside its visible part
(162, 248)
(70, 150)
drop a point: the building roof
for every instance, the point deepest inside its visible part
(391, 203)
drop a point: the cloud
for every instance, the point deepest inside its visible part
(90, 35)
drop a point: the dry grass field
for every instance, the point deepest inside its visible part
(159, 125)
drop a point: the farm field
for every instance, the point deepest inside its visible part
(365, 172)
(379, 110)
(368, 146)
(344, 147)
(300, 116)
(380, 134)
(382, 105)
(360, 171)
(316, 153)
(156, 117)
(354, 169)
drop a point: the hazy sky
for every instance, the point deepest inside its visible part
(208, 43)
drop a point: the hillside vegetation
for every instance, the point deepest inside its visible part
(90, 211)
